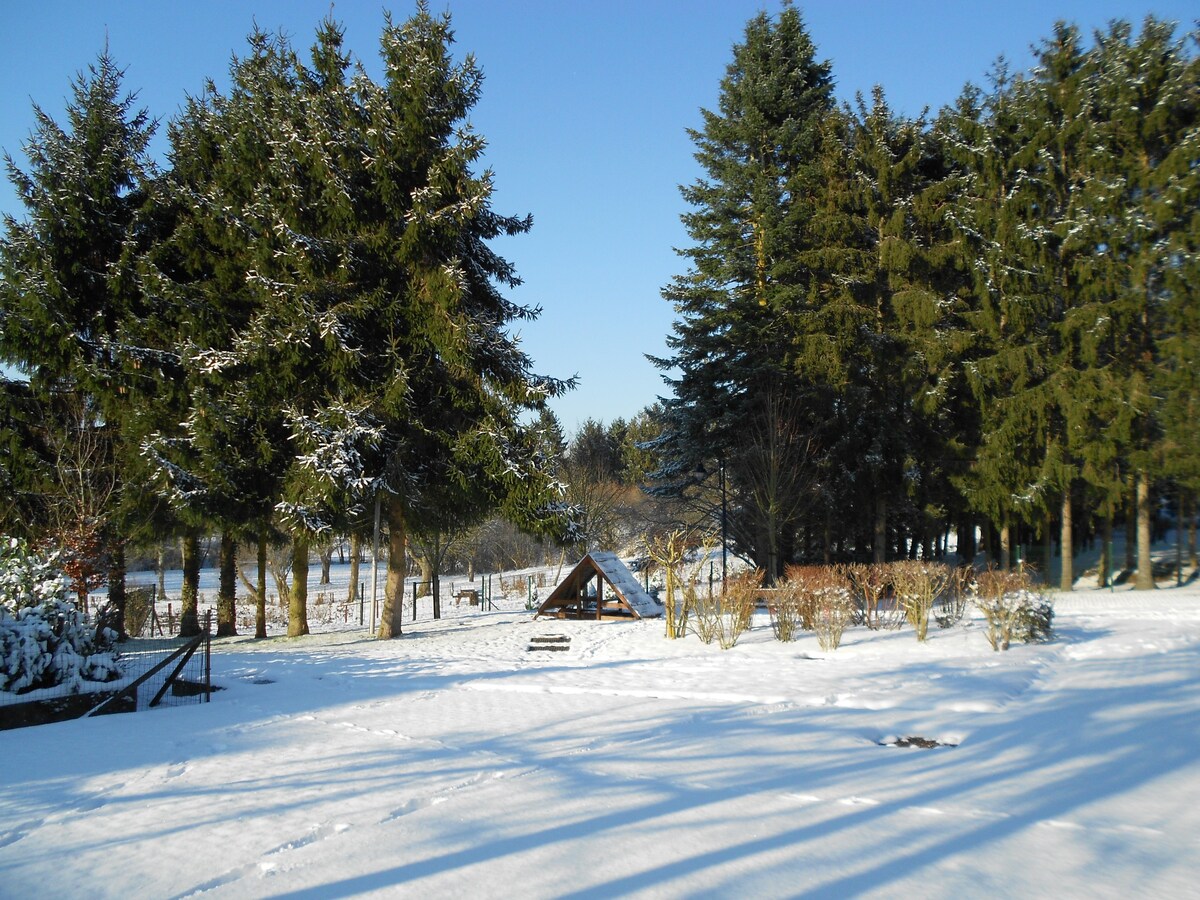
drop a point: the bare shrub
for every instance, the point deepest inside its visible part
(834, 609)
(815, 598)
(724, 618)
(950, 607)
(785, 611)
(139, 603)
(1013, 610)
(809, 581)
(671, 552)
(918, 584)
(705, 617)
(872, 585)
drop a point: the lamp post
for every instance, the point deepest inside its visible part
(724, 527)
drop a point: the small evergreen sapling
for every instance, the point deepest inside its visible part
(44, 640)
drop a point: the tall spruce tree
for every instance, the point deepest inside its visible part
(997, 223)
(374, 333)
(67, 284)
(732, 344)
(213, 436)
(1148, 90)
(886, 299)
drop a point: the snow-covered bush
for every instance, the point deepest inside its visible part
(50, 645)
(44, 641)
(27, 578)
(1014, 612)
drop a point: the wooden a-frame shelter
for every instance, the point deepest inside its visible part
(600, 587)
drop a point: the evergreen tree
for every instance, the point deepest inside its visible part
(886, 300)
(997, 221)
(213, 435)
(368, 325)
(732, 344)
(67, 285)
(1147, 87)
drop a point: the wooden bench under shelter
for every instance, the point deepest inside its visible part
(599, 587)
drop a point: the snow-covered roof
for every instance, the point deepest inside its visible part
(626, 584)
(568, 599)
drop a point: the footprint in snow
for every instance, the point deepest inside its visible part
(316, 833)
(858, 801)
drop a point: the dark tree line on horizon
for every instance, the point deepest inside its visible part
(893, 328)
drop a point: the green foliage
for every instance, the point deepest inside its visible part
(27, 578)
(43, 640)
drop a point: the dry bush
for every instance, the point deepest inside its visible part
(873, 586)
(327, 609)
(671, 551)
(726, 617)
(139, 602)
(816, 598)
(809, 580)
(835, 609)
(738, 603)
(1013, 610)
(918, 584)
(785, 611)
(951, 606)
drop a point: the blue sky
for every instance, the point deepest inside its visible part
(584, 107)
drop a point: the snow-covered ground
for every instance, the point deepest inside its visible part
(456, 762)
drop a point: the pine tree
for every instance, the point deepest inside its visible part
(1147, 88)
(212, 434)
(998, 217)
(732, 343)
(365, 321)
(887, 301)
(67, 285)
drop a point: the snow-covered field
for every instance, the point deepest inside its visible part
(456, 762)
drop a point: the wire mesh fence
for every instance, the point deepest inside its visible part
(159, 669)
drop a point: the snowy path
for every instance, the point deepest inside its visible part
(455, 761)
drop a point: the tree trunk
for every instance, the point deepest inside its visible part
(1191, 529)
(116, 588)
(880, 543)
(1145, 519)
(227, 594)
(1105, 574)
(260, 611)
(424, 566)
(298, 601)
(1067, 578)
(355, 553)
(392, 613)
(1178, 537)
(189, 601)
(1005, 546)
(160, 572)
(326, 554)
(436, 588)
(1131, 526)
